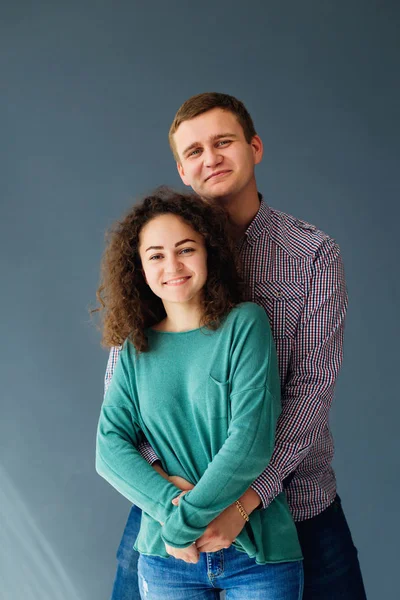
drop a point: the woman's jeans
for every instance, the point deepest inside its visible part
(230, 570)
(331, 568)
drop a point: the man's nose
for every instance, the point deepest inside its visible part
(212, 157)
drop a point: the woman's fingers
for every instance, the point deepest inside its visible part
(176, 500)
(189, 555)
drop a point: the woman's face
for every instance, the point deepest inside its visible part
(174, 260)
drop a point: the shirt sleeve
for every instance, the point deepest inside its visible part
(144, 447)
(117, 456)
(315, 363)
(111, 364)
(255, 406)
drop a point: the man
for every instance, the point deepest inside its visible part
(295, 272)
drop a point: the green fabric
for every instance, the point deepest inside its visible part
(208, 402)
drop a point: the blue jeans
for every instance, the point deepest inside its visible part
(230, 570)
(331, 567)
(126, 578)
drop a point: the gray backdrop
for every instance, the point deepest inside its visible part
(88, 90)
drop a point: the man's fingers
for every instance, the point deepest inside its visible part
(181, 483)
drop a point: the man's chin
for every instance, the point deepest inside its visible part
(216, 197)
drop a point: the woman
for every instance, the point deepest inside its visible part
(197, 377)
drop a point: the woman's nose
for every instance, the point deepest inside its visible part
(174, 264)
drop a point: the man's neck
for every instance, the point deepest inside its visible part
(241, 210)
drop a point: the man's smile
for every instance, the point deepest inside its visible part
(218, 174)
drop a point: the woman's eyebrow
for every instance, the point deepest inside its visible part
(176, 245)
(184, 242)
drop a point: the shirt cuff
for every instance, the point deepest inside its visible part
(268, 485)
(147, 452)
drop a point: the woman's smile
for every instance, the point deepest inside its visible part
(179, 281)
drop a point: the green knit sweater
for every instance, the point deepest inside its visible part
(208, 402)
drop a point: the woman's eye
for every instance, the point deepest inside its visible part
(186, 250)
(155, 257)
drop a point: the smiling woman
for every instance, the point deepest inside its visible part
(197, 378)
(167, 237)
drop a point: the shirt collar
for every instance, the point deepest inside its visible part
(261, 222)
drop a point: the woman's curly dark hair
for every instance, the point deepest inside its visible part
(127, 304)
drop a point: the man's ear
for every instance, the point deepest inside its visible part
(258, 148)
(182, 173)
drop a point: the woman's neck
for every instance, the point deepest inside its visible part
(180, 317)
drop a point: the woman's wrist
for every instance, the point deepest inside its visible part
(250, 501)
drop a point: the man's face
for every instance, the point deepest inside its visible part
(215, 158)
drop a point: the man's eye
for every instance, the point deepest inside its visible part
(194, 152)
(223, 142)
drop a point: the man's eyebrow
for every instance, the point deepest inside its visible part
(213, 138)
(176, 245)
(194, 145)
(223, 135)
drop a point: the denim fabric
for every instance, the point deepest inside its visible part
(331, 567)
(230, 570)
(126, 578)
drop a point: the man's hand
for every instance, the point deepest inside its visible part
(181, 483)
(189, 555)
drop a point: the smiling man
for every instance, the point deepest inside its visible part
(295, 272)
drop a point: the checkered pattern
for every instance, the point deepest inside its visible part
(295, 272)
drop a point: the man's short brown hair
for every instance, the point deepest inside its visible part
(201, 103)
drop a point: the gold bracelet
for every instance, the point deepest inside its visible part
(242, 511)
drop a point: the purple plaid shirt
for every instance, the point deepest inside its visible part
(295, 272)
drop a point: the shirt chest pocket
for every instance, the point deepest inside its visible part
(217, 398)
(283, 302)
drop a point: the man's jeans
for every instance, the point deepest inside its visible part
(230, 570)
(331, 568)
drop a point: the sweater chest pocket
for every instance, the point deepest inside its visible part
(283, 302)
(217, 399)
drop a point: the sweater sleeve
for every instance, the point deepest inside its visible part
(255, 406)
(118, 459)
(144, 447)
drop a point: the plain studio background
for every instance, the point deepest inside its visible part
(88, 91)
